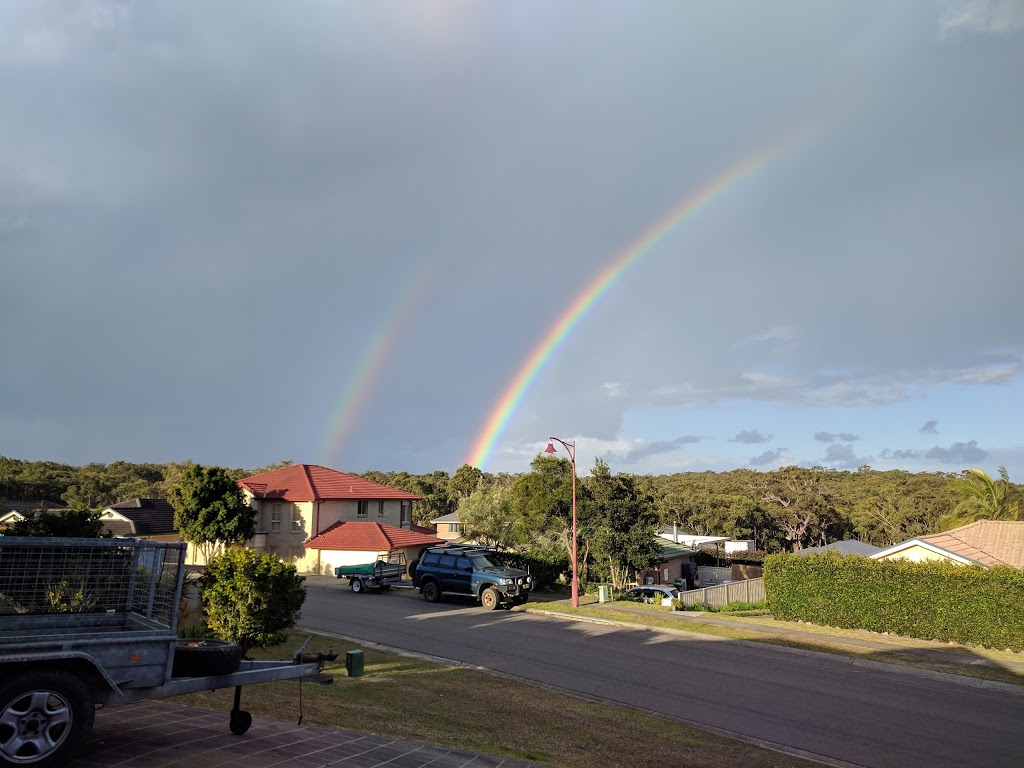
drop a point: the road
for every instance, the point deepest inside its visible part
(807, 702)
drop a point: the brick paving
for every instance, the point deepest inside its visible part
(160, 735)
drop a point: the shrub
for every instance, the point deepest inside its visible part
(929, 600)
(251, 598)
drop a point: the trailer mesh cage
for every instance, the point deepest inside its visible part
(40, 576)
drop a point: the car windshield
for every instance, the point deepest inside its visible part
(486, 561)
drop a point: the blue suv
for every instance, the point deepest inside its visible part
(473, 571)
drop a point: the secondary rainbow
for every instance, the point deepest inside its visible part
(375, 354)
(517, 389)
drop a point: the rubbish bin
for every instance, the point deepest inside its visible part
(604, 593)
(354, 663)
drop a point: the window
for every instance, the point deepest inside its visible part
(363, 509)
(664, 574)
(380, 509)
(406, 513)
(447, 561)
(463, 564)
(431, 558)
(454, 527)
(275, 517)
(297, 523)
(296, 553)
(272, 551)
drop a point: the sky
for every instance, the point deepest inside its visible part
(687, 236)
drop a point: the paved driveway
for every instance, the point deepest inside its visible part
(161, 735)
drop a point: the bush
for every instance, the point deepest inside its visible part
(929, 600)
(545, 567)
(251, 598)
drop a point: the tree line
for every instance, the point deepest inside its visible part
(617, 514)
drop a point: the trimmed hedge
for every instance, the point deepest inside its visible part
(928, 600)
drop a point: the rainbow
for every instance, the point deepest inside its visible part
(517, 389)
(376, 352)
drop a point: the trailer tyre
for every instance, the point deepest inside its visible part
(357, 585)
(45, 715)
(240, 721)
(203, 658)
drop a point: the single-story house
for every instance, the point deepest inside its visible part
(352, 543)
(12, 512)
(678, 563)
(448, 527)
(845, 547)
(140, 519)
(985, 543)
(296, 504)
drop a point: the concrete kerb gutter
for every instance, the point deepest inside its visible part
(946, 677)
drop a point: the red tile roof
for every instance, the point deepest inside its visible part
(988, 542)
(311, 482)
(373, 537)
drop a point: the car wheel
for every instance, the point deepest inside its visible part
(431, 593)
(45, 715)
(357, 585)
(489, 599)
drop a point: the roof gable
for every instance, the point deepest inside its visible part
(370, 537)
(147, 517)
(311, 482)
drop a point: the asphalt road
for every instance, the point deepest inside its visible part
(807, 702)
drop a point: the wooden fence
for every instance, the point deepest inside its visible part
(749, 591)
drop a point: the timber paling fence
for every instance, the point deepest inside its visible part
(748, 591)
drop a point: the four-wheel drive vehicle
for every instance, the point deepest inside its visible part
(93, 621)
(376, 574)
(474, 571)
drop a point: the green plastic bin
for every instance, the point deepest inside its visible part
(354, 663)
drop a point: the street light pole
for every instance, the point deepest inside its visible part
(570, 448)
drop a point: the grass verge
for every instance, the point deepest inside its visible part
(959, 656)
(456, 708)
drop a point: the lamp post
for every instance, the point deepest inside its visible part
(570, 448)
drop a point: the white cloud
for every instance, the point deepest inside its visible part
(989, 17)
(958, 453)
(930, 427)
(750, 436)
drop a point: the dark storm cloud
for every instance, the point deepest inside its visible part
(750, 436)
(958, 453)
(930, 428)
(768, 457)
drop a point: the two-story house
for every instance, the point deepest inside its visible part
(296, 503)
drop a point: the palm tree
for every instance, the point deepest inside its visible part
(983, 499)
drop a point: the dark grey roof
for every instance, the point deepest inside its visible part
(151, 517)
(32, 506)
(847, 547)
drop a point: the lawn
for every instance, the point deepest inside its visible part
(410, 698)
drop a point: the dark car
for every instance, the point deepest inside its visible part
(653, 594)
(474, 571)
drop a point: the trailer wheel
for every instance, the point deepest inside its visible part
(45, 715)
(203, 658)
(240, 721)
(357, 585)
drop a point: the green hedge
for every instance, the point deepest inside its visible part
(929, 600)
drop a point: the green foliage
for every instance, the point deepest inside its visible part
(982, 499)
(77, 524)
(620, 525)
(464, 481)
(250, 597)
(210, 511)
(546, 567)
(487, 517)
(930, 600)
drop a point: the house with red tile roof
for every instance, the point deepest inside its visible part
(296, 504)
(985, 543)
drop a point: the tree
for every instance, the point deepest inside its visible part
(621, 525)
(210, 511)
(77, 524)
(251, 597)
(983, 499)
(796, 500)
(464, 481)
(487, 517)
